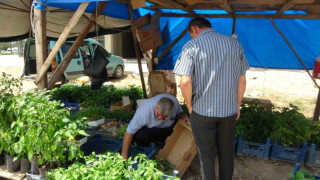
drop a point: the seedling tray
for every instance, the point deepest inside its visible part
(259, 150)
(101, 145)
(289, 154)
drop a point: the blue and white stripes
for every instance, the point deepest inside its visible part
(215, 62)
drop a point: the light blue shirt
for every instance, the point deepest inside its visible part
(215, 62)
(145, 115)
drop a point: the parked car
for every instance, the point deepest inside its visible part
(80, 61)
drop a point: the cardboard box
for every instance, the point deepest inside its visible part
(152, 42)
(180, 148)
(138, 4)
(145, 33)
(142, 21)
(119, 105)
(155, 19)
(191, 2)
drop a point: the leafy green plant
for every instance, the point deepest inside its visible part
(315, 133)
(165, 166)
(291, 128)
(42, 129)
(109, 166)
(121, 130)
(105, 96)
(92, 113)
(301, 175)
(120, 114)
(9, 84)
(255, 123)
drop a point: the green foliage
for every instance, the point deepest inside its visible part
(286, 125)
(106, 96)
(107, 167)
(255, 123)
(120, 114)
(34, 126)
(185, 109)
(165, 166)
(121, 130)
(92, 113)
(301, 175)
(71, 92)
(9, 85)
(315, 133)
(291, 128)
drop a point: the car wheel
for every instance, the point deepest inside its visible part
(118, 72)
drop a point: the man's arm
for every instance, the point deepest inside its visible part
(241, 90)
(186, 89)
(127, 138)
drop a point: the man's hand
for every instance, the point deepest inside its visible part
(238, 114)
(183, 117)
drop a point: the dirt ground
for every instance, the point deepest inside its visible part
(280, 86)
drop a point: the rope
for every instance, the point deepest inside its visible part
(295, 53)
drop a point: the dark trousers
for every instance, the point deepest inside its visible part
(211, 132)
(145, 135)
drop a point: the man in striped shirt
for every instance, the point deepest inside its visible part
(212, 71)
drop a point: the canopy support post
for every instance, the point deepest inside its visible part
(41, 44)
(136, 47)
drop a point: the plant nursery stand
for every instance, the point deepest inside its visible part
(10, 175)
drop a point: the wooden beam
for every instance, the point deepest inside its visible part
(295, 53)
(41, 43)
(287, 6)
(173, 43)
(64, 35)
(234, 25)
(270, 2)
(224, 5)
(172, 4)
(136, 47)
(66, 60)
(258, 16)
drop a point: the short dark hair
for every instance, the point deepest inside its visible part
(200, 22)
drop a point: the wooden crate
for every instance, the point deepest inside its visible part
(180, 148)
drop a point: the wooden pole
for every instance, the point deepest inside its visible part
(234, 25)
(136, 47)
(317, 108)
(75, 18)
(173, 43)
(316, 113)
(41, 43)
(66, 60)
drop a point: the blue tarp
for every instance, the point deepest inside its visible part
(263, 45)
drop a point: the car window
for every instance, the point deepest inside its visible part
(84, 48)
(32, 51)
(64, 49)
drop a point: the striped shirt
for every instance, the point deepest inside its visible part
(215, 62)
